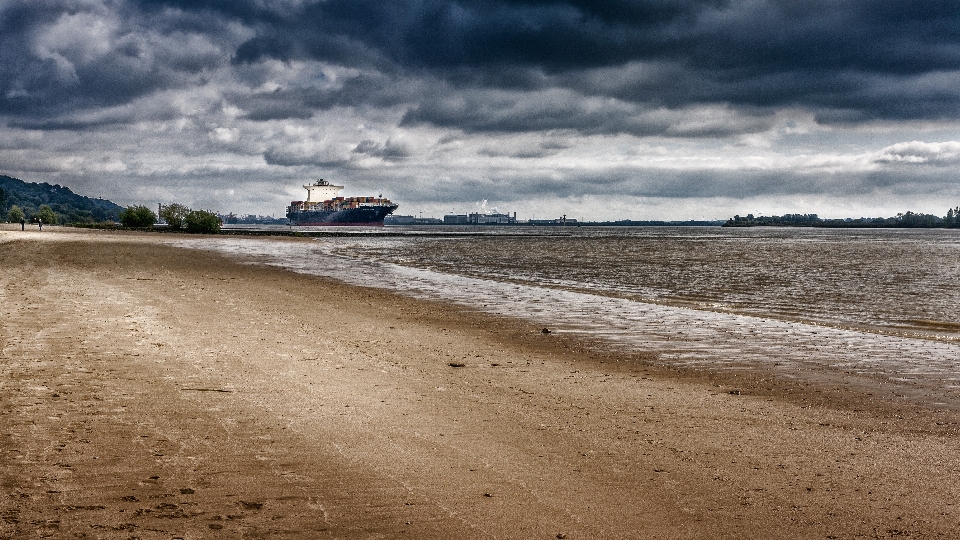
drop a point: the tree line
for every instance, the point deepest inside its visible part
(902, 220)
(177, 217)
(56, 204)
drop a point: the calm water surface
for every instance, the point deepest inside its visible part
(900, 281)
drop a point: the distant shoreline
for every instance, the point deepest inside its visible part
(908, 220)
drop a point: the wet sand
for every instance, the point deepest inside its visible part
(154, 392)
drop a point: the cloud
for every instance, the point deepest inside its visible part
(917, 152)
(390, 150)
(58, 58)
(850, 61)
(850, 55)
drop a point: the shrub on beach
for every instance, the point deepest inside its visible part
(137, 216)
(201, 221)
(175, 215)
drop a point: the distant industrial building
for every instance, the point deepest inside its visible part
(456, 219)
(491, 219)
(475, 218)
(411, 220)
(480, 219)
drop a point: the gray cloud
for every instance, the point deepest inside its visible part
(850, 60)
(825, 55)
(389, 151)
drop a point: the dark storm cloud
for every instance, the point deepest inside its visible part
(851, 60)
(846, 60)
(514, 112)
(59, 57)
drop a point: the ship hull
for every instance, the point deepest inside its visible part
(364, 216)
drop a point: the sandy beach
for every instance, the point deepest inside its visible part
(149, 391)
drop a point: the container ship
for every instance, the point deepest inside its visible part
(324, 207)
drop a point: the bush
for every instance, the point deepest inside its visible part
(46, 215)
(175, 215)
(137, 216)
(15, 214)
(201, 221)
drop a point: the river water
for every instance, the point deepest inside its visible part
(882, 303)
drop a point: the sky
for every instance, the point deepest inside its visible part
(598, 110)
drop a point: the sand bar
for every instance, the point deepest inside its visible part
(154, 392)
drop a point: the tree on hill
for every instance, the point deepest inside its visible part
(65, 204)
(137, 216)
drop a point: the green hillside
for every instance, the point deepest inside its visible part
(67, 205)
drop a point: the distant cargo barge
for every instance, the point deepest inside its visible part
(324, 207)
